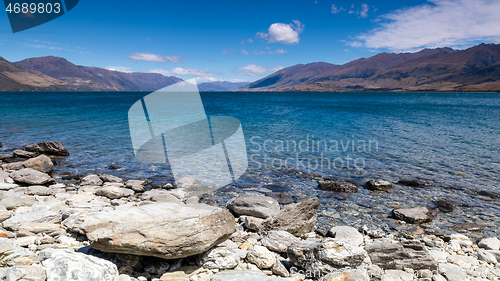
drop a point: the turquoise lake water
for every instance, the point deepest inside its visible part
(449, 139)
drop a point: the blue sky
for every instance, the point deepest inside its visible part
(247, 40)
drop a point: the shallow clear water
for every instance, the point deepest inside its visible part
(450, 139)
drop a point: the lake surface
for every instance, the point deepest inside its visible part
(449, 139)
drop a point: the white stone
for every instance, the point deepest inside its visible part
(63, 265)
(490, 243)
(261, 257)
(220, 258)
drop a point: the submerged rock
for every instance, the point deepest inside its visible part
(379, 185)
(338, 186)
(415, 215)
(50, 148)
(414, 183)
(298, 219)
(165, 230)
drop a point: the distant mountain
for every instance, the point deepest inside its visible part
(443, 69)
(83, 78)
(16, 78)
(223, 86)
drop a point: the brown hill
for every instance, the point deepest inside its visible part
(15, 78)
(443, 69)
(82, 78)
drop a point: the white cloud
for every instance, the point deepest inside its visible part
(283, 33)
(149, 57)
(268, 51)
(245, 52)
(336, 10)
(187, 71)
(256, 70)
(228, 51)
(119, 68)
(442, 23)
(364, 10)
(216, 79)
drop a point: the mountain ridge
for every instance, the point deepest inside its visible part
(85, 78)
(440, 69)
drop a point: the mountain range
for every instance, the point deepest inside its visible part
(442, 69)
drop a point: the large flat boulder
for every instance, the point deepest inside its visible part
(31, 177)
(166, 230)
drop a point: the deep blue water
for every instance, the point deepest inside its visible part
(450, 139)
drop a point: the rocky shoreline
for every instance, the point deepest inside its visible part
(102, 227)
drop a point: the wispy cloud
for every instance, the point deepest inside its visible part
(149, 57)
(256, 70)
(442, 23)
(119, 68)
(283, 33)
(187, 71)
(364, 10)
(336, 9)
(217, 79)
(268, 51)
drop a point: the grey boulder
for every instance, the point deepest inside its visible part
(298, 219)
(347, 233)
(278, 241)
(50, 148)
(254, 205)
(30, 176)
(409, 254)
(91, 180)
(113, 192)
(326, 255)
(42, 163)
